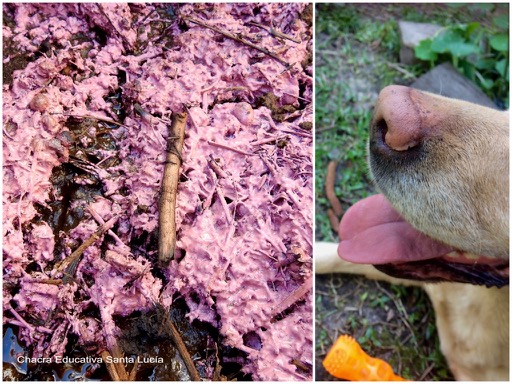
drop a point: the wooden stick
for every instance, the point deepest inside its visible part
(334, 220)
(329, 189)
(115, 370)
(167, 216)
(69, 264)
(275, 32)
(238, 38)
(182, 349)
(293, 297)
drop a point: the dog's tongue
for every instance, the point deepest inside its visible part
(372, 232)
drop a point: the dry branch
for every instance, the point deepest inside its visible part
(275, 32)
(334, 220)
(167, 216)
(182, 349)
(69, 264)
(330, 178)
(293, 297)
(116, 370)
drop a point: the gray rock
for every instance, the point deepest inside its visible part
(445, 80)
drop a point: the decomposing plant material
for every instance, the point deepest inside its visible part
(127, 45)
(240, 223)
(240, 39)
(167, 206)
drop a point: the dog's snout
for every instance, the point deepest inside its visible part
(397, 123)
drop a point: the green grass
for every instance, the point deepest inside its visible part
(346, 60)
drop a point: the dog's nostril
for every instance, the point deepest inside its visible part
(395, 135)
(381, 128)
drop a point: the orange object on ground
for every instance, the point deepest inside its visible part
(346, 360)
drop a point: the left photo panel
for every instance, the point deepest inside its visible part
(157, 191)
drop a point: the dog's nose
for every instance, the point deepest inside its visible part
(402, 118)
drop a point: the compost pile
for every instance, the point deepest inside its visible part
(89, 91)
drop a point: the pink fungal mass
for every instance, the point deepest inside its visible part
(244, 203)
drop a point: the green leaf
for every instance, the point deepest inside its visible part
(442, 41)
(423, 51)
(461, 49)
(468, 68)
(471, 27)
(453, 41)
(487, 64)
(501, 67)
(486, 83)
(501, 21)
(499, 42)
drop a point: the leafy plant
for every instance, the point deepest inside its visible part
(480, 53)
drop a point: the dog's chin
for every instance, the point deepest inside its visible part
(443, 270)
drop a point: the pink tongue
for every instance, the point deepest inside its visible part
(372, 232)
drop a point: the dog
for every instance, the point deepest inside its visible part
(440, 222)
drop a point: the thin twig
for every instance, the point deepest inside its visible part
(182, 349)
(298, 97)
(293, 297)
(69, 264)
(22, 321)
(268, 140)
(275, 32)
(115, 370)
(230, 148)
(238, 38)
(167, 216)
(220, 193)
(401, 70)
(279, 180)
(37, 329)
(330, 179)
(216, 167)
(216, 373)
(100, 221)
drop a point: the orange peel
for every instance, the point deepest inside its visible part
(346, 360)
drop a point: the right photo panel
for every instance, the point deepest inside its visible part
(412, 192)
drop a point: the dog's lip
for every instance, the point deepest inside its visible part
(469, 258)
(372, 232)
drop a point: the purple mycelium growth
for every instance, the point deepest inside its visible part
(244, 205)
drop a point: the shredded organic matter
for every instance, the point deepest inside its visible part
(87, 99)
